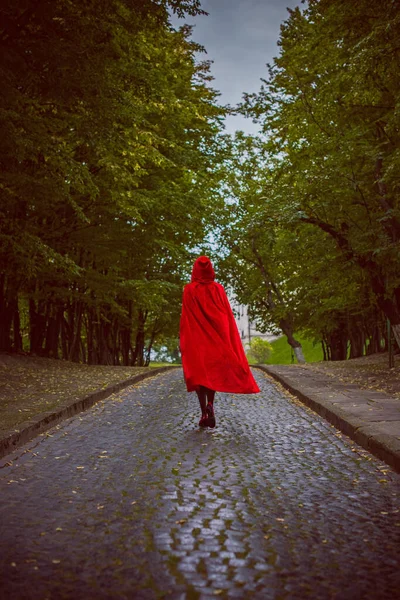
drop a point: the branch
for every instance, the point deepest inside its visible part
(340, 239)
(343, 243)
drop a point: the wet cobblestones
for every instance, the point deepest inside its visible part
(132, 500)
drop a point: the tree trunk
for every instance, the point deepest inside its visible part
(74, 349)
(298, 351)
(17, 328)
(287, 329)
(91, 352)
(83, 351)
(390, 309)
(71, 326)
(357, 341)
(138, 354)
(10, 326)
(149, 347)
(9, 318)
(53, 332)
(324, 350)
(374, 341)
(337, 341)
(64, 338)
(37, 326)
(125, 341)
(138, 359)
(104, 348)
(114, 342)
(382, 336)
(396, 333)
(5, 331)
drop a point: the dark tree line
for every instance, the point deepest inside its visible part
(108, 129)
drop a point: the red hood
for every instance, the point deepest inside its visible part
(203, 271)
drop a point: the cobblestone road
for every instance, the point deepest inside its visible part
(132, 500)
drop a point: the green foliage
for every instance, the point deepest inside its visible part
(113, 173)
(109, 127)
(259, 350)
(316, 228)
(282, 354)
(166, 351)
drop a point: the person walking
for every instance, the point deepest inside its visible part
(213, 357)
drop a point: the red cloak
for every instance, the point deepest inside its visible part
(211, 349)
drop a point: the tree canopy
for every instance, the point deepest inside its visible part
(109, 131)
(114, 169)
(317, 222)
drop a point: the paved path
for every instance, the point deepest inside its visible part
(369, 417)
(131, 500)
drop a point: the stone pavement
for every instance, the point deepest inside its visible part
(130, 500)
(369, 417)
(67, 404)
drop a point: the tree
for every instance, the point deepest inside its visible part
(259, 350)
(249, 239)
(329, 112)
(109, 125)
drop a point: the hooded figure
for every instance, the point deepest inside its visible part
(213, 357)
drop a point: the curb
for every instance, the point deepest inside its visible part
(45, 421)
(384, 446)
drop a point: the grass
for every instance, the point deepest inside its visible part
(155, 365)
(282, 353)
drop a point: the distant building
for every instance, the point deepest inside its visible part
(247, 328)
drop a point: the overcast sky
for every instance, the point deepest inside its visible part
(240, 37)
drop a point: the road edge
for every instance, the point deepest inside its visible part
(366, 435)
(45, 421)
